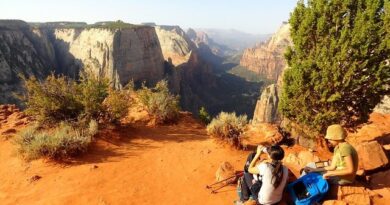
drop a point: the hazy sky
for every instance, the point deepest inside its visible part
(252, 16)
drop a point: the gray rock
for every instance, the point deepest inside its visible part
(267, 106)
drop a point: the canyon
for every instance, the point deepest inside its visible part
(122, 53)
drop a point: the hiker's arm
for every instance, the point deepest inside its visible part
(323, 169)
(331, 167)
(347, 171)
(252, 166)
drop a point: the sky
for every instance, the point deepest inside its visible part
(251, 16)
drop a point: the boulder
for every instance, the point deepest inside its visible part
(262, 133)
(354, 195)
(371, 156)
(302, 135)
(301, 159)
(384, 106)
(224, 171)
(380, 180)
(334, 202)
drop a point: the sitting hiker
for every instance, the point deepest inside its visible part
(272, 175)
(344, 161)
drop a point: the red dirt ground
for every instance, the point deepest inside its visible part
(133, 164)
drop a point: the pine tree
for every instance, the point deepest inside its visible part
(339, 64)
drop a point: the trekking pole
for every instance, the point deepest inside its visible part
(215, 189)
(211, 185)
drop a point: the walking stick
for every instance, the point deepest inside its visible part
(215, 188)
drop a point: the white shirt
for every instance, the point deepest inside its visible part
(268, 194)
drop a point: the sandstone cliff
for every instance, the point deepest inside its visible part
(267, 106)
(120, 54)
(23, 51)
(268, 59)
(175, 45)
(201, 39)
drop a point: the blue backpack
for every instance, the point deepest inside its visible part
(308, 189)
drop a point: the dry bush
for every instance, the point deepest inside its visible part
(160, 103)
(117, 104)
(228, 126)
(59, 143)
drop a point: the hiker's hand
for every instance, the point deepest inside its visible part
(308, 169)
(326, 176)
(259, 149)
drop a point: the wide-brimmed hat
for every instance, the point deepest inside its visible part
(335, 132)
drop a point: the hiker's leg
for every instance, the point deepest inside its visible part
(247, 183)
(248, 179)
(255, 189)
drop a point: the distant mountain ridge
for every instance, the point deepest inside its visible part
(234, 39)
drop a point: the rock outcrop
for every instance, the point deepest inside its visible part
(201, 39)
(267, 106)
(120, 54)
(262, 133)
(175, 45)
(25, 52)
(371, 156)
(267, 58)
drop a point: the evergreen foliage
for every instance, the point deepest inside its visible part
(204, 115)
(339, 62)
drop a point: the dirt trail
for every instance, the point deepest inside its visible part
(130, 165)
(135, 164)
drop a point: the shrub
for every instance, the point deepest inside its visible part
(59, 99)
(52, 100)
(228, 126)
(57, 144)
(117, 104)
(339, 62)
(204, 115)
(91, 93)
(162, 105)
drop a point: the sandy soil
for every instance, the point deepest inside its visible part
(128, 165)
(132, 164)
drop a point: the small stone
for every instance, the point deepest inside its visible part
(9, 131)
(35, 178)
(18, 123)
(224, 171)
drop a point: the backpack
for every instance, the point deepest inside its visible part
(308, 189)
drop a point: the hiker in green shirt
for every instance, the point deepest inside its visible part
(344, 161)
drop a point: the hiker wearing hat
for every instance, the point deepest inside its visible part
(344, 161)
